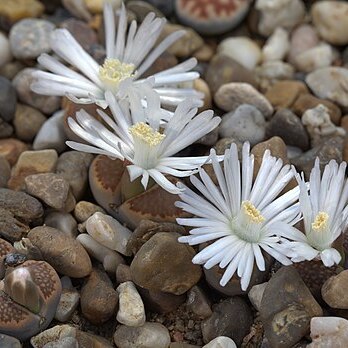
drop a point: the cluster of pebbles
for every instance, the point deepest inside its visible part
(77, 273)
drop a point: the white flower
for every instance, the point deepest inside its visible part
(128, 56)
(325, 214)
(241, 217)
(140, 138)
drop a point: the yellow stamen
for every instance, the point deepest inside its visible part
(112, 72)
(253, 213)
(320, 221)
(144, 132)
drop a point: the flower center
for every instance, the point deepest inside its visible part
(144, 132)
(320, 221)
(113, 71)
(253, 213)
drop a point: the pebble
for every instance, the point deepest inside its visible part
(109, 258)
(83, 210)
(9, 341)
(303, 38)
(65, 342)
(13, 11)
(77, 8)
(274, 14)
(164, 264)
(287, 307)
(69, 300)
(96, 6)
(6, 130)
(222, 322)
(329, 332)
(315, 58)
(21, 205)
(221, 342)
(333, 291)
(11, 149)
(73, 167)
(108, 232)
(288, 126)
(223, 69)
(27, 122)
(330, 83)
(51, 135)
(5, 171)
(140, 9)
(308, 101)
(276, 46)
(63, 222)
(319, 126)
(255, 295)
(51, 188)
(8, 99)
(245, 123)
(329, 18)
(211, 17)
(30, 37)
(11, 69)
(5, 54)
(32, 162)
(283, 94)
(46, 104)
(98, 298)
(150, 335)
(64, 253)
(242, 49)
(187, 44)
(131, 310)
(198, 303)
(234, 94)
(11, 228)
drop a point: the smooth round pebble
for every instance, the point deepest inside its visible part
(221, 342)
(30, 37)
(315, 58)
(334, 291)
(150, 335)
(276, 46)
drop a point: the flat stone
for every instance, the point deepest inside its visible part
(73, 167)
(11, 228)
(287, 307)
(234, 94)
(27, 122)
(32, 162)
(286, 125)
(98, 298)
(150, 335)
(222, 322)
(22, 82)
(21, 205)
(69, 300)
(49, 187)
(63, 252)
(11, 149)
(8, 100)
(334, 291)
(30, 37)
(223, 69)
(245, 123)
(164, 264)
(131, 310)
(5, 171)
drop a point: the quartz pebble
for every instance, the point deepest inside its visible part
(330, 83)
(246, 123)
(221, 342)
(98, 298)
(30, 37)
(51, 135)
(330, 19)
(131, 310)
(212, 16)
(242, 49)
(8, 100)
(329, 332)
(109, 232)
(150, 335)
(5, 53)
(280, 13)
(22, 82)
(277, 45)
(234, 94)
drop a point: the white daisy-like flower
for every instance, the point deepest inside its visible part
(139, 137)
(128, 56)
(240, 217)
(325, 214)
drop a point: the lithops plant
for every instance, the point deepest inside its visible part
(28, 299)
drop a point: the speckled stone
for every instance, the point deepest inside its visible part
(30, 37)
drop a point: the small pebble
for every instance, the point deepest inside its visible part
(84, 210)
(5, 171)
(77, 8)
(255, 295)
(5, 53)
(277, 45)
(62, 221)
(68, 303)
(333, 291)
(221, 342)
(8, 99)
(30, 37)
(198, 302)
(11, 149)
(6, 130)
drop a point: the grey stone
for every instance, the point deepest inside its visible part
(6, 130)
(5, 171)
(198, 303)
(8, 99)
(62, 221)
(68, 302)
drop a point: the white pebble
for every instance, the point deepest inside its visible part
(221, 342)
(277, 45)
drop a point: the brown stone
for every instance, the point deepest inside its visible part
(11, 149)
(334, 291)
